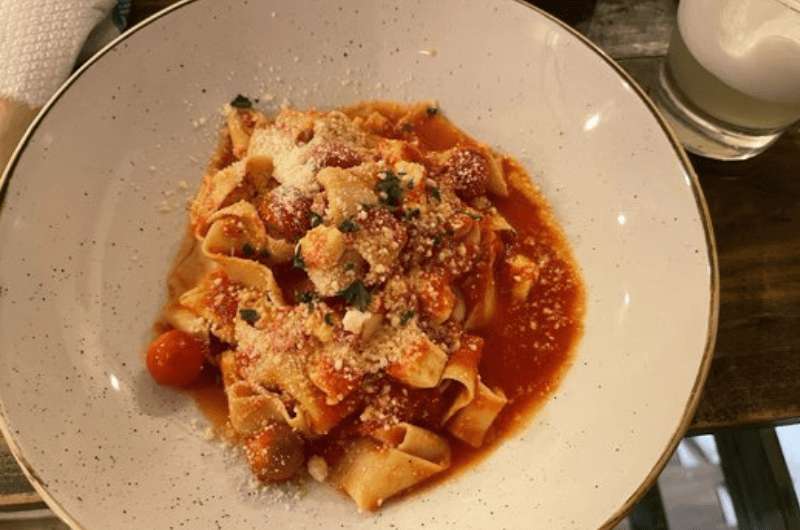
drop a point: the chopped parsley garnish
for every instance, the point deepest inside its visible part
(305, 297)
(249, 315)
(316, 219)
(390, 190)
(349, 266)
(241, 102)
(437, 240)
(474, 216)
(297, 260)
(432, 111)
(248, 251)
(357, 295)
(413, 213)
(347, 226)
(406, 316)
(434, 192)
(328, 319)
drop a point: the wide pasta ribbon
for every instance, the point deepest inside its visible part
(472, 422)
(251, 408)
(230, 229)
(371, 473)
(219, 189)
(279, 359)
(462, 369)
(476, 405)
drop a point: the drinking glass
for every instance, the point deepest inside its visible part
(730, 84)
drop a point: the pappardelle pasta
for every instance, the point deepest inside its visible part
(380, 294)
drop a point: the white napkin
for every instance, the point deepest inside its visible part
(40, 41)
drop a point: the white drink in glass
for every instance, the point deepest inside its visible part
(731, 81)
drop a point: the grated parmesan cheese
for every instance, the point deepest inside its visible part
(354, 320)
(317, 468)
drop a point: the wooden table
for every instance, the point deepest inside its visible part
(755, 209)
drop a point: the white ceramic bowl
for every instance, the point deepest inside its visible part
(84, 250)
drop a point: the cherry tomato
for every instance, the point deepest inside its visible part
(175, 358)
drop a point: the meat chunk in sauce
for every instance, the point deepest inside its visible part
(380, 239)
(467, 171)
(286, 213)
(333, 154)
(275, 453)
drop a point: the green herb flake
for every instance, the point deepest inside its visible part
(316, 219)
(250, 316)
(349, 266)
(413, 213)
(406, 316)
(390, 190)
(305, 297)
(357, 295)
(248, 251)
(474, 216)
(437, 240)
(347, 226)
(434, 192)
(297, 260)
(241, 102)
(328, 319)
(432, 111)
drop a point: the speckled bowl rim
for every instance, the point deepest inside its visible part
(700, 201)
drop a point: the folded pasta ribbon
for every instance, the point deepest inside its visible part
(370, 472)
(472, 422)
(234, 182)
(251, 408)
(277, 360)
(230, 229)
(462, 368)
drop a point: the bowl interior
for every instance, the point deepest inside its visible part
(94, 211)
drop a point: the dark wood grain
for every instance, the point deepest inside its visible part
(755, 210)
(755, 207)
(141, 9)
(14, 487)
(626, 28)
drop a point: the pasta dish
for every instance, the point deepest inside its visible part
(380, 297)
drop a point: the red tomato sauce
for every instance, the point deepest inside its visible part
(528, 346)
